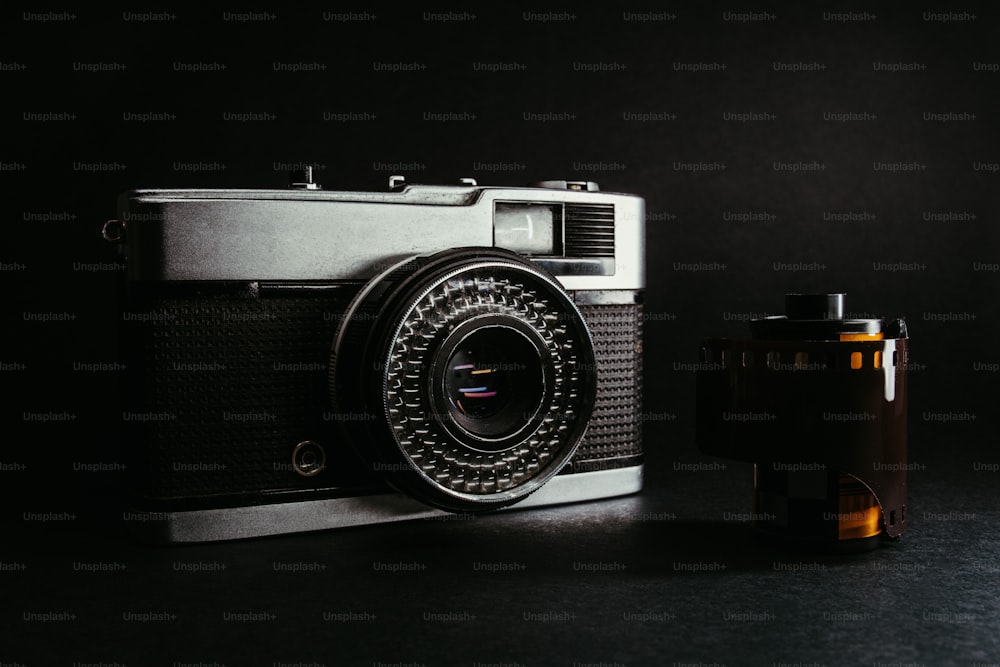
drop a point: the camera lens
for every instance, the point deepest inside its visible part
(492, 384)
(469, 374)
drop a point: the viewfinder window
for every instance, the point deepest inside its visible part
(529, 229)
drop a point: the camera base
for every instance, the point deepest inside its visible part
(234, 523)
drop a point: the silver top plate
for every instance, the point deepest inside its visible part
(307, 235)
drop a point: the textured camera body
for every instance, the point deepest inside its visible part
(249, 323)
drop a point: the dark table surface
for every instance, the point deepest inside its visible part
(671, 576)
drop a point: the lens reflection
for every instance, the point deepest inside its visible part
(493, 382)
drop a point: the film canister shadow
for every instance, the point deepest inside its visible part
(817, 403)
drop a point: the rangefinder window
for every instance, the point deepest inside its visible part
(528, 228)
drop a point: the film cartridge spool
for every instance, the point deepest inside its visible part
(818, 403)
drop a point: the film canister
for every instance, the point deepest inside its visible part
(817, 403)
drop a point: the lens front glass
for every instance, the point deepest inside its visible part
(493, 384)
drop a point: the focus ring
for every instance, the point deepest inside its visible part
(422, 439)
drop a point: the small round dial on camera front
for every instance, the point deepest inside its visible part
(308, 458)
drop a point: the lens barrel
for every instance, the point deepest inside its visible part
(467, 377)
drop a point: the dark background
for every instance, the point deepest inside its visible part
(663, 578)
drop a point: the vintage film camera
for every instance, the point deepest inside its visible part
(301, 359)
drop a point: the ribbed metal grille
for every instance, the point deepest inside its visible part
(589, 230)
(614, 438)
